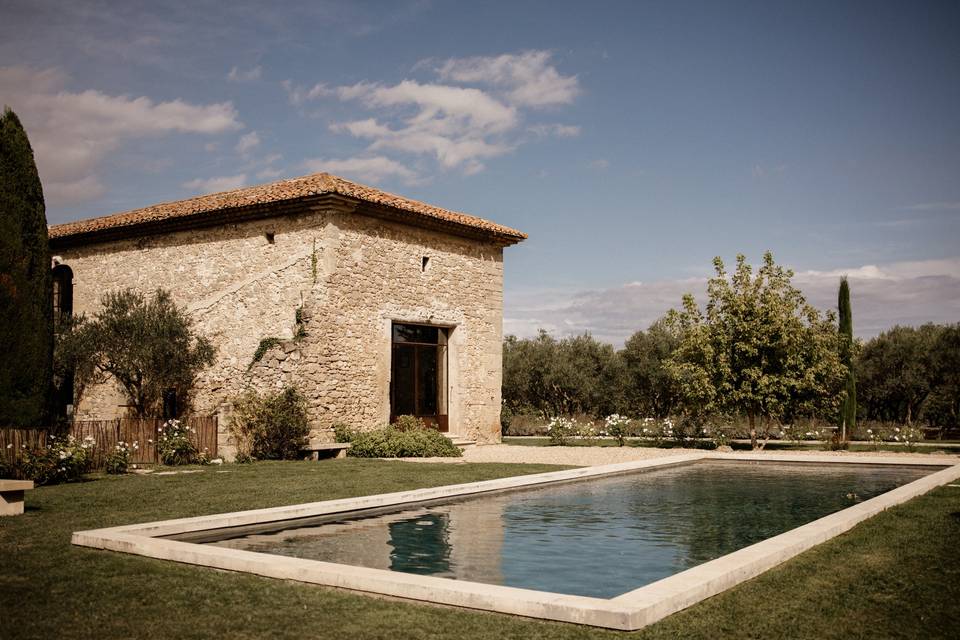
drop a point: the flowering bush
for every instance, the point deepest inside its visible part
(560, 429)
(119, 459)
(62, 460)
(658, 431)
(875, 436)
(173, 444)
(908, 435)
(618, 427)
(587, 432)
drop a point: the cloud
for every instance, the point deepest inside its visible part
(214, 185)
(600, 164)
(527, 78)
(373, 169)
(458, 127)
(247, 142)
(908, 293)
(250, 75)
(298, 95)
(934, 206)
(73, 132)
(558, 130)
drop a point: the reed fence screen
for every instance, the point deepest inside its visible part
(107, 433)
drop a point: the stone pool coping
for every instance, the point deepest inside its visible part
(629, 611)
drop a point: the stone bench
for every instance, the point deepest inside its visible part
(313, 450)
(11, 496)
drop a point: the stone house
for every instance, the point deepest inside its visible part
(372, 304)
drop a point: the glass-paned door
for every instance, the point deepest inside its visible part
(418, 380)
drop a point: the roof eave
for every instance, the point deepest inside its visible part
(259, 211)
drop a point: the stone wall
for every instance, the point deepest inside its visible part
(351, 274)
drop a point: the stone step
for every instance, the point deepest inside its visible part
(462, 443)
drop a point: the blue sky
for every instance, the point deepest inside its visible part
(633, 141)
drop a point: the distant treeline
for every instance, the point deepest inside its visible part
(906, 374)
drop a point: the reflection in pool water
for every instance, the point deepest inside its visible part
(599, 537)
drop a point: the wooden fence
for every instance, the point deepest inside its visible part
(107, 433)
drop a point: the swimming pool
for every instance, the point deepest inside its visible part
(617, 546)
(597, 538)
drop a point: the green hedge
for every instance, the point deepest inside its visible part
(390, 442)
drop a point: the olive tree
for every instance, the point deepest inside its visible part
(649, 390)
(146, 344)
(758, 349)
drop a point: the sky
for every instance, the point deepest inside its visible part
(633, 141)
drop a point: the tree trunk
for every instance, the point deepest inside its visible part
(753, 430)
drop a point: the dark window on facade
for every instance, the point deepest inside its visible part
(62, 291)
(62, 276)
(418, 380)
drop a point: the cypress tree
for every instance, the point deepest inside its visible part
(848, 409)
(26, 312)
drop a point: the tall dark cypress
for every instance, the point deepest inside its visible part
(848, 410)
(26, 313)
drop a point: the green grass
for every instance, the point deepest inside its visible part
(894, 576)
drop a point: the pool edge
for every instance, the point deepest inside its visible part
(629, 611)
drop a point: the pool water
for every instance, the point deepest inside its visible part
(599, 537)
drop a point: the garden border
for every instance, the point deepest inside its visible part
(629, 611)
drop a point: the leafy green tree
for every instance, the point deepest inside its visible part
(560, 377)
(147, 345)
(648, 388)
(898, 371)
(26, 314)
(848, 406)
(943, 406)
(758, 349)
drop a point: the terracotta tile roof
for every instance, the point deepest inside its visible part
(278, 192)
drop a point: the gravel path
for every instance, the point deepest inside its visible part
(589, 456)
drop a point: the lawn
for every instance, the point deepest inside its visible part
(894, 576)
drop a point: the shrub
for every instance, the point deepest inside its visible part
(719, 435)
(273, 426)
(618, 427)
(525, 424)
(63, 460)
(391, 442)
(875, 436)
(560, 429)
(587, 432)
(657, 430)
(118, 460)
(343, 432)
(408, 423)
(173, 444)
(909, 435)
